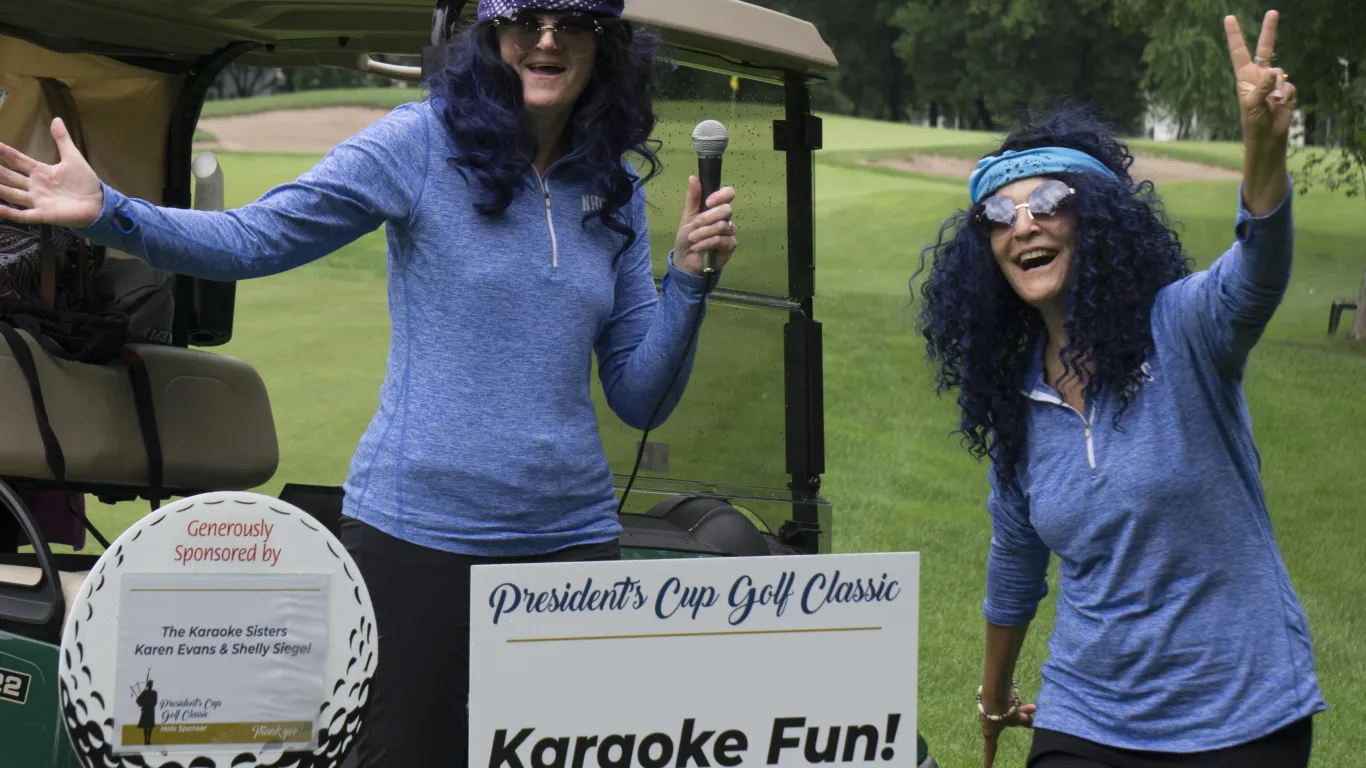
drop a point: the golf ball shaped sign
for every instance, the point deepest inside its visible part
(227, 629)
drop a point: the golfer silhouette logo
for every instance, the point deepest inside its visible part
(147, 702)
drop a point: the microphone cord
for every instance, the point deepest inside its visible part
(692, 339)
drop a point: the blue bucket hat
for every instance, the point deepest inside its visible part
(492, 9)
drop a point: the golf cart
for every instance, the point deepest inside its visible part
(736, 470)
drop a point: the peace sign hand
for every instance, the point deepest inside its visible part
(1266, 97)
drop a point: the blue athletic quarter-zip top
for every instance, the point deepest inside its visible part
(1177, 628)
(486, 439)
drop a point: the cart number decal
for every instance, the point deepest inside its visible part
(14, 686)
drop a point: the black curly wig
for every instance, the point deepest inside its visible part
(980, 334)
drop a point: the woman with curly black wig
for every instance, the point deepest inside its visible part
(1103, 380)
(518, 250)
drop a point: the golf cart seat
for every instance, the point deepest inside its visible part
(212, 412)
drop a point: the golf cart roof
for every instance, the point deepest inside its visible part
(728, 34)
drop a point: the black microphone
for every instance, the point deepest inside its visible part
(710, 140)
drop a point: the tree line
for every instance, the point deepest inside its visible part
(976, 64)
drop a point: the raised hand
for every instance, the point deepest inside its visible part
(1267, 101)
(1266, 96)
(701, 231)
(67, 194)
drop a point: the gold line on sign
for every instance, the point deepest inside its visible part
(191, 589)
(690, 634)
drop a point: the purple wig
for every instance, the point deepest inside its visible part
(480, 99)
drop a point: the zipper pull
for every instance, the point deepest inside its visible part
(1090, 446)
(550, 224)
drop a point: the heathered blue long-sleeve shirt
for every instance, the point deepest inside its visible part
(1177, 628)
(486, 439)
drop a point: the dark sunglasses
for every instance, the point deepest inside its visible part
(998, 211)
(574, 34)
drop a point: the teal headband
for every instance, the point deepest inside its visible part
(997, 171)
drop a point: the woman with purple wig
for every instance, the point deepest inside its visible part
(1103, 379)
(518, 250)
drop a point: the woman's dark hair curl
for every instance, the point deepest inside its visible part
(981, 335)
(480, 99)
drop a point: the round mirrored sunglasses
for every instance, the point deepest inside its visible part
(998, 212)
(574, 35)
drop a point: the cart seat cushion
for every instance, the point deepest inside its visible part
(212, 412)
(24, 576)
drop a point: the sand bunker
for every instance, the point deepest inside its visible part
(315, 131)
(1156, 169)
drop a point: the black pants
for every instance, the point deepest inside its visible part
(1286, 748)
(418, 715)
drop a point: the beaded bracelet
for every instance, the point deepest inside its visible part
(1014, 704)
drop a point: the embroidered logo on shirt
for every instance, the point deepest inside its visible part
(592, 203)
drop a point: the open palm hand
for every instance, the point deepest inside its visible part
(67, 194)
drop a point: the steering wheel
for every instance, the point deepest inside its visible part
(41, 606)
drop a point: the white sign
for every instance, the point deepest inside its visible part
(228, 661)
(694, 663)
(224, 628)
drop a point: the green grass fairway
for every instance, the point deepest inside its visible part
(897, 477)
